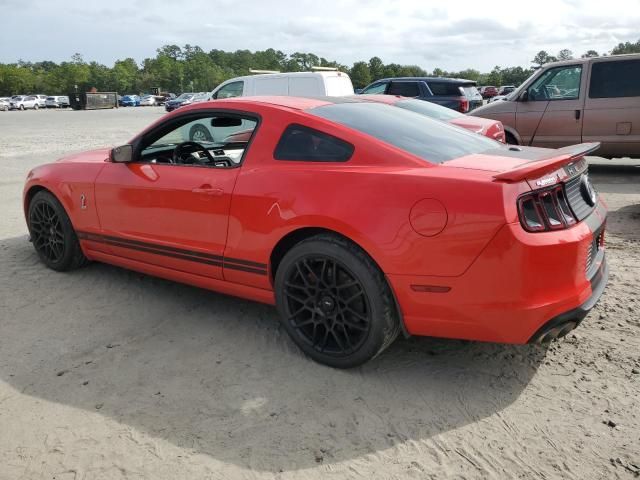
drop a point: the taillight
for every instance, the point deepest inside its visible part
(464, 105)
(544, 210)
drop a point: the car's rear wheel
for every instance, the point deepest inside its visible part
(199, 133)
(334, 302)
(36, 106)
(52, 234)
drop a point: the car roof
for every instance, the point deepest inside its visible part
(439, 79)
(297, 103)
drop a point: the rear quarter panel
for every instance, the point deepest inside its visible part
(367, 199)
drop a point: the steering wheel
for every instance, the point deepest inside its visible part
(196, 147)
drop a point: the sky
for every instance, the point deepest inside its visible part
(451, 35)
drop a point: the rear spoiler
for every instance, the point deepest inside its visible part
(549, 163)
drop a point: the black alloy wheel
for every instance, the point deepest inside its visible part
(46, 232)
(335, 302)
(327, 305)
(52, 234)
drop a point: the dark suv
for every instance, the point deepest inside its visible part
(454, 93)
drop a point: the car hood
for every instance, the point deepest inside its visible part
(503, 106)
(92, 156)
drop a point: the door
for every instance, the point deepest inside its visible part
(551, 113)
(612, 107)
(170, 206)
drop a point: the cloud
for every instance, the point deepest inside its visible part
(450, 35)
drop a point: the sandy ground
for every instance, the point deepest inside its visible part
(109, 374)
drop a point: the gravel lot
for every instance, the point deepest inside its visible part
(109, 374)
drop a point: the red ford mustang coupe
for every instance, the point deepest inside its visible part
(358, 220)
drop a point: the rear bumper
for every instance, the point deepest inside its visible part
(519, 284)
(567, 321)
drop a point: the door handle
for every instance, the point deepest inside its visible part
(208, 190)
(577, 114)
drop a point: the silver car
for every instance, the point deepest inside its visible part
(57, 102)
(4, 103)
(22, 102)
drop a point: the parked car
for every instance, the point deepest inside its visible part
(482, 126)
(147, 101)
(61, 101)
(580, 100)
(301, 84)
(41, 99)
(130, 101)
(4, 103)
(506, 89)
(186, 99)
(497, 98)
(22, 102)
(447, 233)
(457, 94)
(488, 91)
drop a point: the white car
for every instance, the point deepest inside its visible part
(4, 103)
(148, 101)
(57, 102)
(22, 102)
(41, 99)
(328, 82)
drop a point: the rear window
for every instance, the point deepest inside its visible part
(404, 89)
(429, 109)
(445, 88)
(470, 91)
(429, 139)
(615, 79)
(300, 143)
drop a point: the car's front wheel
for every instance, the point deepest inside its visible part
(52, 234)
(334, 302)
(36, 106)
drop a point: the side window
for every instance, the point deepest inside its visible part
(404, 89)
(306, 144)
(214, 140)
(560, 83)
(233, 89)
(376, 88)
(615, 79)
(445, 89)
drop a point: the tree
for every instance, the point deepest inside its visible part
(626, 47)
(376, 68)
(565, 54)
(541, 58)
(360, 75)
(590, 53)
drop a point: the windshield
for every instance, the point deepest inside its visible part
(429, 139)
(429, 109)
(185, 96)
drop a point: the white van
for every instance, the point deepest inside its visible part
(295, 84)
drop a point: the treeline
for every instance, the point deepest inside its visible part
(189, 68)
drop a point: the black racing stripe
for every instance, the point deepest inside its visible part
(162, 253)
(179, 253)
(245, 262)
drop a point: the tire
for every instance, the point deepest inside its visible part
(21, 107)
(199, 133)
(334, 302)
(52, 234)
(510, 139)
(36, 106)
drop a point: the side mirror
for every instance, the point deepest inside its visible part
(122, 154)
(524, 96)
